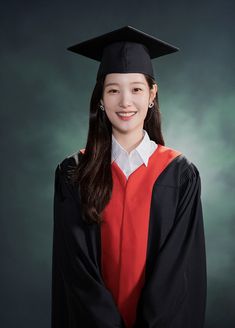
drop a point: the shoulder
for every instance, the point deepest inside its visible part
(70, 161)
(180, 168)
(65, 169)
(64, 183)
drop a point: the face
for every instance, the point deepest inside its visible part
(127, 94)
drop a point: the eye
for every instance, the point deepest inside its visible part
(136, 89)
(112, 91)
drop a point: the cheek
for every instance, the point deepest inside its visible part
(110, 112)
(110, 104)
(142, 105)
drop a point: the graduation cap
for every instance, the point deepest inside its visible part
(125, 50)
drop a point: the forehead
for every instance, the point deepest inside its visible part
(122, 78)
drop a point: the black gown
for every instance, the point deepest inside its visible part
(174, 293)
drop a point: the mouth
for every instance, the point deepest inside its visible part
(126, 114)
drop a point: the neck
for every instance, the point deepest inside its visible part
(130, 140)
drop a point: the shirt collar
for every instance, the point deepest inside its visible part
(143, 149)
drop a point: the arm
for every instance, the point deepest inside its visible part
(175, 294)
(79, 297)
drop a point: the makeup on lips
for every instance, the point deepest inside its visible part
(126, 116)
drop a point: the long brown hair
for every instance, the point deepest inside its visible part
(93, 175)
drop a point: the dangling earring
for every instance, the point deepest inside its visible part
(101, 107)
(151, 105)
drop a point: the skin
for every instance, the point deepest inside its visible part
(129, 93)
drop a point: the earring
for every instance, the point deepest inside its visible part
(151, 105)
(102, 107)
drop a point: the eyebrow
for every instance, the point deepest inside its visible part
(137, 82)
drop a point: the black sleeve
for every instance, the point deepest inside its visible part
(79, 296)
(175, 294)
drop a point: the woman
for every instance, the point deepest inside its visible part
(128, 243)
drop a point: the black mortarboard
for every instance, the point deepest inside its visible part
(126, 50)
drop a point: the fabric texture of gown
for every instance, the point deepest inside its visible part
(146, 265)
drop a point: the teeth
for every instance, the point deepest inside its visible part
(126, 114)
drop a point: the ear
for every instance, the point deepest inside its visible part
(153, 92)
(101, 101)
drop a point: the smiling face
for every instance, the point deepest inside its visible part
(127, 94)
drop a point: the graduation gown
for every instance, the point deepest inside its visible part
(146, 265)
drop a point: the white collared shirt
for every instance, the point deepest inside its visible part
(129, 162)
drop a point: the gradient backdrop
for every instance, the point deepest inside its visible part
(45, 93)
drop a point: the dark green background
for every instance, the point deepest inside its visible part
(45, 93)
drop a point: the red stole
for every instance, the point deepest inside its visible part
(124, 234)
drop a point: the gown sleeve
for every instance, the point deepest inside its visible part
(78, 295)
(175, 294)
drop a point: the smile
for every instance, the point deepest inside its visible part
(126, 115)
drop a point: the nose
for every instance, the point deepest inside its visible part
(125, 100)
